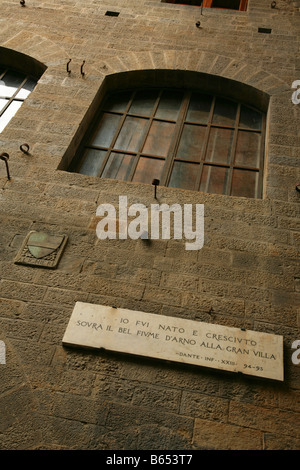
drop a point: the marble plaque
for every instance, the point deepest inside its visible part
(175, 339)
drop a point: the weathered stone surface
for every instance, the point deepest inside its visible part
(246, 276)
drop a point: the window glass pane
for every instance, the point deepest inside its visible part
(131, 134)
(118, 166)
(117, 102)
(245, 183)
(159, 138)
(224, 112)
(169, 105)
(250, 118)
(148, 169)
(144, 102)
(219, 145)
(184, 175)
(191, 142)
(26, 89)
(9, 113)
(214, 179)
(3, 102)
(106, 130)
(92, 162)
(199, 108)
(10, 83)
(248, 149)
(230, 4)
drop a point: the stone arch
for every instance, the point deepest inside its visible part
(240, 71)
(214, 73)
(21, 62)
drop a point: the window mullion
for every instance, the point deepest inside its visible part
(175, 140)
(148, 127)
(261, 160)
(10, 99)
(207, 134)
(116, 134)
(233, 151)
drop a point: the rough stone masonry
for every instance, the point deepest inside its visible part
(246, 275)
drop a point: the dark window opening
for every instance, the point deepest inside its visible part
(229, 4)
(240, 5)
(185, 139)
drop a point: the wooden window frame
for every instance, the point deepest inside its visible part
(171, 157)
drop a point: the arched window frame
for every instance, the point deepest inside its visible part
(28, 68)
(15, 87)
(231, 168)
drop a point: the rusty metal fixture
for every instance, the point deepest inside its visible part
(24, 148)
(68, 68)
(81, 69)
(155, 183)
(22, 3)
(4, 156)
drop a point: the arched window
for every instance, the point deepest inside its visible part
(185, 139)
(19, 74)
(14, 88)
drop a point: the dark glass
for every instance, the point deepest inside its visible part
(148, 169)
(228, 4)
(250, 118)
(184, 175)
(143, 102)
(169, 105)
(159, 138)
(248, 149)
(191, 143)
(244, 183)
(131, 134)
(199, 108)
(92, 162)
(224, 112)
(214, 179)
(219, 146)
(117, 102)
(106, 130)
(118, 166)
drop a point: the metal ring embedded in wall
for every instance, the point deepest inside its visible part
(298, 187)
(24, 148)
(81, 68)
(4, 156)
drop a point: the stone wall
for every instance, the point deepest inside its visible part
(246, 276)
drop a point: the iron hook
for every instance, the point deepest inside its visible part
(4, 156)
(68, 69)
(81, 69)
(155, 182)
